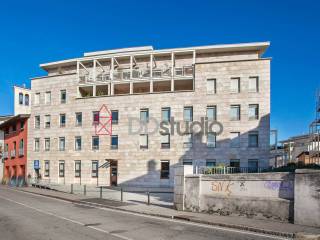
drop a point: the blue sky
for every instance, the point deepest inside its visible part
(34, 32)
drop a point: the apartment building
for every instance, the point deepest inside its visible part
(15, 149)
(95, 119)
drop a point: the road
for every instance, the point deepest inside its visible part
(29, 216)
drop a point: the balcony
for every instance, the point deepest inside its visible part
(13, 153)
(184, 72)
(21, 152)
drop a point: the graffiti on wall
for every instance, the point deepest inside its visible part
(222, 187)
(278, 185)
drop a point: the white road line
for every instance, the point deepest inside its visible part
(67, 219)
(163, 219)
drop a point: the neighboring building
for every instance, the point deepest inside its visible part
(293, 147)
(2, 119)
(22, 100)
(314, 145)
(227, 83)
(15, 149)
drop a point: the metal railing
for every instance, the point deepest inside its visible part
(5, 155)
(122, 194)
(137, 74)
(229, 170)
(13, 153)
(21, 152)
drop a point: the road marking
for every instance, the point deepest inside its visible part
(160, 218)
(67, 219)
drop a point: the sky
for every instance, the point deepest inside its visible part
(34, 32)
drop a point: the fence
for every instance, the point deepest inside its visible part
(229, 170)
(154, 196)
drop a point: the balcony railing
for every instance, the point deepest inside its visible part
(21, 152)
(229, 170)
(13, 153)
(139, 74)
(5, 155)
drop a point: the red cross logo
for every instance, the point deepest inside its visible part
(103, 121)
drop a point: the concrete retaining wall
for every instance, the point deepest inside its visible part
(279, 196)
(268, 195)
(307, 197)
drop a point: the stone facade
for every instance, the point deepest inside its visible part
(142, 167)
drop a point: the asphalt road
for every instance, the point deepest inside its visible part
(28, 216)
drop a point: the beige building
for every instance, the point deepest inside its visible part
(22, 101)
(141, 86)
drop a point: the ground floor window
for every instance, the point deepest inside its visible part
(165, 169)
(187, 162)
(210, 163)
(46, 168)
(253, 165)
(95, 167)
(77, 168)
(61, 169)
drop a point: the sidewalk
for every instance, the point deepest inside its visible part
(241, 223)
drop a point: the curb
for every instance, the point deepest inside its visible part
(176, 217)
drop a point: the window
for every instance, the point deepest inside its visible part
(78, 119)
(211, 86)
(235, 139)
(47, 144)
(21, 125)
(77, 168)
(212, 113)
(114, 142)
(14, 128)
(144, 115)
(61, 169)
(235, 85)
(46, 168)
(62, 120)
(187, 140)
(253, 165)
(77, 143)
(188, 114)
(95, 167)
(62, 144)
(13, 151)
(235, 163)
(165, 170)
(165, 114)
(47, 97)
(211, 140)
(37, 122)
(47, 121)
(253, 113)
(143, 139)
(165, 141)
(95, 143)
(7, 131)
(63, 96)
(115, 116)
(253, 139)
(36, 144)
(21, 147)
(253, 84)
(95, 117)
(37, 99)
(210, 163)
(20, 98)
(187, 162)
(26, 100)
(235, 112)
